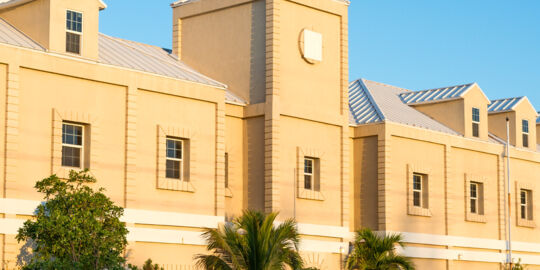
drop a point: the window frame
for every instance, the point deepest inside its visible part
(525, 207)
(81, 147)
(180, 160)
(476, 122)
(419, 191)
(311, 174)
(474, 208)
(80, 34)
(525, 132)
(226, 178)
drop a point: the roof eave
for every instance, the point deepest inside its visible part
(14, 3)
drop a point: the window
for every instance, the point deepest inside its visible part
(525, 204)
(174, 161)
(476, 198)
(72, 145)
(525, 130)
(311, 177)
(226, 170)
(475, 122)
(420, 195)
(73, 31)
(308, 173)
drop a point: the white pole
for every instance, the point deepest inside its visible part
(509, 221)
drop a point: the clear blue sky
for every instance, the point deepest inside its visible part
(413, 44)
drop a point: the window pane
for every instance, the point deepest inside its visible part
(72, 134)
(71, 156)
(308, 166)
(473, 206)
(523, 214)
(476, 114)
(74, 21)
(525, 125)
(417, 182)
(307, 182)
(73, 43)
(473, 191)
(523, 197)
(525, 140)
(416, 198)
(475, 130)
(172, 169)
(174, 149)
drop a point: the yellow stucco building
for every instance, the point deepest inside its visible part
(253, 108)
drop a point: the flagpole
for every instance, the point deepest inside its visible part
(509, 220)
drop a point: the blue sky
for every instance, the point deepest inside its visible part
(414, 44)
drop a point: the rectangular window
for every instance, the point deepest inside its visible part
(308, 173)
(476, 122)
(73, 31)
(525, 130)
(420, 190)
(476, 198)
(72, 145)
(174, 158)
(226, 170)
(525, 204)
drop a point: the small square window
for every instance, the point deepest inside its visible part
(174, 160)
(72, 145)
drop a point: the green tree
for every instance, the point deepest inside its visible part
(252, 242)
(75, 228)
(374, 252)
(148, 265)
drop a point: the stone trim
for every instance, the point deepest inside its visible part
(411, 209)
(481, 218)
(529, 223)
(219, 194)
(307, 193)
(131, 146)
(91, 146)
(190, 169)
(11, 147)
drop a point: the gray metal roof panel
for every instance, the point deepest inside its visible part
(387, 100)
(435, 95)
(363, 109)
(10, 35)
(504, 105)
(147, 58)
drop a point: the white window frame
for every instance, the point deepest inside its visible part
(75, 32)
(420, 190)
(311, 175)
(81, 147)
(181, 160)
(523, 121)
(475, 122)
(475, 198)
(524, 205)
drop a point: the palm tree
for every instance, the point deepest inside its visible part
(252, 242)
(374, 252)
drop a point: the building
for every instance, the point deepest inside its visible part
(253, 108)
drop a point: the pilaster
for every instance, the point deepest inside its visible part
(383, 161)
(131, 146)
(501, 188)
(345, 148)
(271, 120)
(220, 159)
(12, 129)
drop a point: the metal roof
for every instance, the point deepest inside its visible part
(147, 58)
(12, 3)
(504, 105)
(184, 2)
(363, 109)
(435, 95)
(387, 101)
(10, 35)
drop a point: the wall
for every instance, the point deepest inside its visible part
(234, 147)
(365, 183)
(32, 18)
(450, 113)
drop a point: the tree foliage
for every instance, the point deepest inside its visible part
(374, 252)
(148, 265)
(252, 242)
(76, 227)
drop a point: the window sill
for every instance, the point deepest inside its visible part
(476, 218)
(176, 185)
(419, 211)
(526, 223)
(311, 195)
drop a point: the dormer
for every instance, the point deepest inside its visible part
(522, 117)
(538, 129)
(60, 26)
(462, 108)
